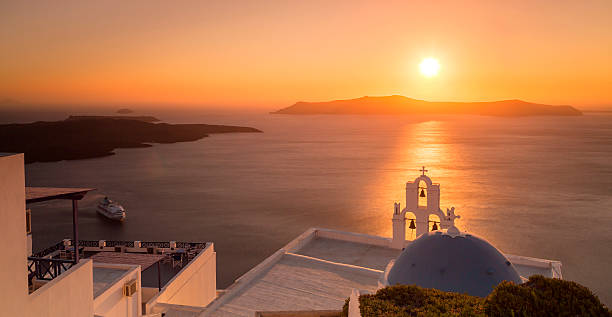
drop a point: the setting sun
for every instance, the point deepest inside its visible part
(429, 67)
(440, 146)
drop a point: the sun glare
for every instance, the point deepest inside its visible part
(429, 67)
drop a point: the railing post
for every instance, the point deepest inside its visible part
(37, 269)
(75, 230)
(158, 277)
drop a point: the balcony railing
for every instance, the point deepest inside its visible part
(49, 250)
(49, 263)
(114, 243)
(47, 269)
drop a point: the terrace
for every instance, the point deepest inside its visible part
(159, 261)
(317, 271)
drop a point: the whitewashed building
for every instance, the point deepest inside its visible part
(312, 275)
(107, 280)
(316, 272)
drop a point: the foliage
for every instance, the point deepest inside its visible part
(410, 300)
(539, 296)
(542, 296)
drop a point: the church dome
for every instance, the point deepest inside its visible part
(452, 261)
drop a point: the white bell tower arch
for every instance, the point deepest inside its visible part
(414, 191)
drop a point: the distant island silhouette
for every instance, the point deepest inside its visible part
(137, 118)
(8, 102)
(125, 111)
(397, 104)
(89, 137)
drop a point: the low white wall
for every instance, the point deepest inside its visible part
(354, 237)
(298, 243)
(552, 265)
(112, 302)
(68, 295)
(194, 285)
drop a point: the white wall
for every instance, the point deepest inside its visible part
(112, 303)
(194, 285)
(353, 237)
(13, 262)
(68, 295)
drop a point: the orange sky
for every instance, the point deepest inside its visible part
(271, 54)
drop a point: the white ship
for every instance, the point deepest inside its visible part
(111, 210)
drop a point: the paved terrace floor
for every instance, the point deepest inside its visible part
(352, 253)
(148, 275)
(298, 283)
(170, 310)
(319, 276)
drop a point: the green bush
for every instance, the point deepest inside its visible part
(539, 296)
(542, 296)
(410, 300)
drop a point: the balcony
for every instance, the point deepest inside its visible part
(170, 257)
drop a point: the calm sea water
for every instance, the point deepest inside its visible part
(539, 187)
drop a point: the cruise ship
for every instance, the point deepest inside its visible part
(111, 210)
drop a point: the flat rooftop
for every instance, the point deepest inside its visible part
(170, 310)
(297, 282)
(359, 254)
(317, 272)
(105, 277)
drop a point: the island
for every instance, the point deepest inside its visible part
(125, 111)
(82, 138)
(138, 118)
(397, 104)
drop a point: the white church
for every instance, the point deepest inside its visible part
(423, 208)
(312, 275)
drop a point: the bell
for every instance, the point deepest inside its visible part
(412, 225)
(422, 193)
(435, 227)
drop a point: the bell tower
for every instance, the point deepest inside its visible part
(422, 187)
(423, 200)
(399, 227)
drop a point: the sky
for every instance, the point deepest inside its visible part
(271, 54)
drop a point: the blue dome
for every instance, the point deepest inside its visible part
(461, 263)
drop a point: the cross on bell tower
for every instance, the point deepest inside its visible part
(422, 188)
(423, 170)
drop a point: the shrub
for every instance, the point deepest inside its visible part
(410, 300)
(539, 296)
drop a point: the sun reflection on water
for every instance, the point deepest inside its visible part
(420, 144)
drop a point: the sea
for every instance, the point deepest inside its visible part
(532, 186)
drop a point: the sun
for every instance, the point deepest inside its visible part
(429, 67)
